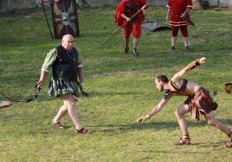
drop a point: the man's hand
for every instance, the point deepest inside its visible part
(39, 84)
(142, 119)
(81, 78)
(128, 19)
(202, 60)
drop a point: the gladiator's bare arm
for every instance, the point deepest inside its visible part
(154, 111)
(189, 67)
(157, 108)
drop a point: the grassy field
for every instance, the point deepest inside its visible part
(121, 89)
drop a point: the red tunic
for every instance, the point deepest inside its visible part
(129, 8)
(178, 7)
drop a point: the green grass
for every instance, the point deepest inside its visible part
(121, 89)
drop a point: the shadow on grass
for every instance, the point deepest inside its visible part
(99, 94)
(156, 126)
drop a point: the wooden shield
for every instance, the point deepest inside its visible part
(65, 19)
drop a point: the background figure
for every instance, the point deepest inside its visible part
(66, 67)
(177, 12)
(126, 9)
(198, 102)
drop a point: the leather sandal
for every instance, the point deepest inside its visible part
(183, 141)
(134, 52)
(229, 143)
(173, 48)
(126, 50)
(57, 125)
(82, 131)
(187, 49)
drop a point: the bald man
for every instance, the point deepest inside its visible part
(66, 69)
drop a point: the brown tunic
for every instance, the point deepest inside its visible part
(199, 102)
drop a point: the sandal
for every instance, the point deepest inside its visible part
(134, 52)
(126, 49)
(173, 48)
(183, 141)
(57, 125)
(82, 131)
(229, 143)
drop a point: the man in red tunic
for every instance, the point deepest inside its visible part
(125, 10)
(177, 12)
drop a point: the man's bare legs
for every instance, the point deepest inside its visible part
(218, 124)
(70, 107)
(185, 39)
(173, 43)
(183, 109)
(180, 112)
(221, 126)
(126, 40)
(135, 45)
(62, 111)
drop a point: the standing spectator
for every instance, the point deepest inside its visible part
(126, 9)
(66, 67)
(176, 15)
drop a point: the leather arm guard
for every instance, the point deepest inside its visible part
(193, 64)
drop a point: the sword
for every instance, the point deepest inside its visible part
(187, 19)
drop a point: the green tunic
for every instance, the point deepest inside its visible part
(59, 88)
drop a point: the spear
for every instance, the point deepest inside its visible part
(189, 21)
(46, 18)
(124, 24)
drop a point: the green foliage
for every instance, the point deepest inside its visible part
(121, 89)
